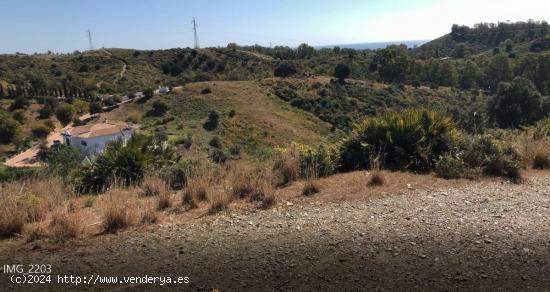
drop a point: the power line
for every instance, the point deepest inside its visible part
(195, 33)
(90, 40)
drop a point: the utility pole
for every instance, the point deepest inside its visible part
(195, 32)
(90, 40)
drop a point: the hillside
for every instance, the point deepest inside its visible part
(484, 37)
(251, 118)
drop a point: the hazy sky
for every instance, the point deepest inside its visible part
(60, 25)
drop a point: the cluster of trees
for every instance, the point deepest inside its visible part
(395, 65)
(189, 59)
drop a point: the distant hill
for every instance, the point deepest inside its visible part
(376, 45)
(464, 40)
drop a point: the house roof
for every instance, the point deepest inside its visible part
(98, 130)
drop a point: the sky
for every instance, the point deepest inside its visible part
(30, 26)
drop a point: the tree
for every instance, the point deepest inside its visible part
(341, 71)
(40, 132)
(19, 103)
(498, 70)
(159, 108)
(9, 128)
(213, 121)
(392, 64)
(305, 51)
(19, 115)
(284, 70)
(95, 107)
(516, 103)
(148, 93)
(65, 113)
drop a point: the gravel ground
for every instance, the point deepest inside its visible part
(485, 236)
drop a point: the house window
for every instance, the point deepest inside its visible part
(83, 143)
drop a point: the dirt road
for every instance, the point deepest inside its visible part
(484, 236)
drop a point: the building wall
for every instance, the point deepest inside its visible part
(97, 145)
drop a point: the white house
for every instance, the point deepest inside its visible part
(92, 139)
(164, 89)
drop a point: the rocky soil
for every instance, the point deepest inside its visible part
(490, 235)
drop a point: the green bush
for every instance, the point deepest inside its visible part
(176, 175)
(40, 131)
(412, 140)
(216, 142)
(451, 166)
(9, 128)
(494, 157)
(120, 164)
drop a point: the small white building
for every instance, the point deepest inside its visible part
(164, 89)
(92, 139)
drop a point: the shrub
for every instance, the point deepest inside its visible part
(516, 103)
(164, 201)
(493, 157)
(40, 132)
(341, 71)
(219, 202)
(177, 174)
(206, 91)
(310, 187)
(285, 70)
(235, 149)
(376, 178)
(159, 108)
(115, 217)
(153, 186)
(216, 142)
(65, 113)
(19, 115)
(450, 166)
(198, 189)
(185, 141)
(18, 209)
(65, 226)
(213, 121)
(149, 216)
(243, 181)
(9, 128)
(412, 140)
(289, 166)
(218, 156)
(541, 159)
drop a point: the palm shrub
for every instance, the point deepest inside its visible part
(411, 140)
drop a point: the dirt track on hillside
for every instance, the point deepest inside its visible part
(485, 236)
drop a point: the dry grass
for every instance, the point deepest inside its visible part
(269, 199)
(219, 201)
(36, 233)
(198, 190)
(65, 226)
(290, 167)
(153, 186)
(541, 158)
(242, 180)
(52, 192)
(115, 214)
(311, 186)
(164, 201)
(149, 216)
(376, 179)
(17, 209)
(89, 201)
